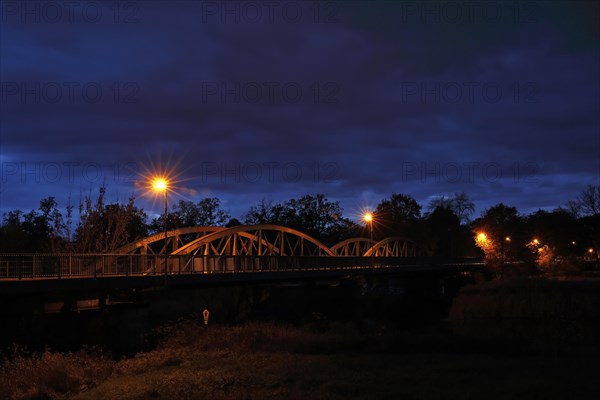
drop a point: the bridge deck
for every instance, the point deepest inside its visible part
(49, 272)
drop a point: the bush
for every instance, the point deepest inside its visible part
(52, 375)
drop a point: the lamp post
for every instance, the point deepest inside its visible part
(503, 252)
(368, 218)
(161, 185)
(502, 248)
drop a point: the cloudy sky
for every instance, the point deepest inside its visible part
(261, 99)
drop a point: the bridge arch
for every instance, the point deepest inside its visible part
(176, 238)
(256, 240)
(397, 246)
(356, 246)
(266, 240)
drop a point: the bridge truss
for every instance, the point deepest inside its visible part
(213, 250)
(266, 240)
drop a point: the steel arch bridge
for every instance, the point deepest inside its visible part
(175, 239)
(267, 240)
(256, 240)
(397, 246)
(357, 246)
(210, 255)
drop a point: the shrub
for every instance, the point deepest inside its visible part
(49, 375)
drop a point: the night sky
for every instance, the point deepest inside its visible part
(273, 100)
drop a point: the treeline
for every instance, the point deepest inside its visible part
(547, 239)
(445, 225)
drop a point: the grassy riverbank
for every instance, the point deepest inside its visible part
(524, 338)
(268, 361)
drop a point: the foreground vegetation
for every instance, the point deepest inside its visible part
(518, 338)
(268, 361)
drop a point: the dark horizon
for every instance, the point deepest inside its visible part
(153, 204)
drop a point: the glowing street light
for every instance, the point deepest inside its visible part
(368, 218)
(507, 239)
(482, 241)
(161, 185)
(536, 241)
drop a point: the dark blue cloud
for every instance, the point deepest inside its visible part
(352, 99)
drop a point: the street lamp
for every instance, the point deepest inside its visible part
(162, 185)
(502, 249)
(368, 218)
(485, 244)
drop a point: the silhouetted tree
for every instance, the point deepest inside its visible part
(463, 207)
(313, 215)
(233, 222)
(268, 212)
(207, 212)
(558, 229)
(397, 215)
(502, 237)
(440, 202)
(39, 230)
(588, 202)
(106, 227)
(14, 237)
(587, 207)
(460, 204)
(443, 231)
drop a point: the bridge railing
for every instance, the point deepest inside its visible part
(23, 266)
(52, 266)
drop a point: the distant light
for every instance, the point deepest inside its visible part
(536, 241)
(368, 217)
(482, 236)
(507, 238)
(573, 242)
(590, 251)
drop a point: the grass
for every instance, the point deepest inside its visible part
(513, 339)
(52, 375)
(551, 316)
(269, 361)
(266, 361)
